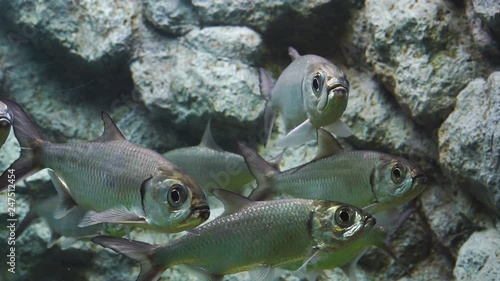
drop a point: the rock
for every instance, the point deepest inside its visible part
(484, 22)
(176, 17)
(208, 73)
(91, 30)
(420, 53)
(378, 123)
(469, 150)
(478, 258)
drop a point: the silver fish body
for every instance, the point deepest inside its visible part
(6, 117)
(369, 179)
(310, 93)
(117, 181)
(269, 233)
(211, 166)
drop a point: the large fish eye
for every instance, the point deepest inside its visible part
(4, 123)
(398, 173)
(344, 216)
(317, 82)
(177, 195)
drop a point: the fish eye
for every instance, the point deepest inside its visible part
(316, 83)
(4, 123)
(397, 173)
(344, 216)
(177, 195)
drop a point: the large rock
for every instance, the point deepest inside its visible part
(420, 52)
(91, 29)
(478, 259)
(207, 73)
(469, 150)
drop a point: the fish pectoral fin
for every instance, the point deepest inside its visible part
(116, 215)
(262, 273)
(298, 136)
(310, 259)
(65, 202)
(67, 242)
(111, 131)
(208, 140)
(327, 144)
(202, 274)
(339, 128)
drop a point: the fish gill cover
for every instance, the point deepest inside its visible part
(423, 85)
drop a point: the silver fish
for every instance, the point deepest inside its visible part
(251, 235)
(310, 93)
(5, 122)
(367, 179)
(211, 166)
(118, 181)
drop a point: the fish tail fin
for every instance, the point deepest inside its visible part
(29, 136)
(262, 171)
(266, 86)
(138, 251)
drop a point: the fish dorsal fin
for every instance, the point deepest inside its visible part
(327, 144)
(293, 53)
(111, 131)
(233, 202)
(208, 140)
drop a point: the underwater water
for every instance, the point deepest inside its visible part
(409, 89)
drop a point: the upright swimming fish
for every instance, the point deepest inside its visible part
(211, 166)
(311, 93)
(5, 122)
(65, 230)
(367, 179)
(119, 182)
(250, 235)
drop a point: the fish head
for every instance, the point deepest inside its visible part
(395, 181)
(335, 225)
(173, 203)
(325, 90)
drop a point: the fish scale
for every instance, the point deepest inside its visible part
(235, 239)
(99, 174)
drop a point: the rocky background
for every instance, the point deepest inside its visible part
(425, 85)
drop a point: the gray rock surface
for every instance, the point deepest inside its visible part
(420, 54)
(176, 17)
(484, 22)
(478, 260)
(91, 30)
(212, 68)
(469, 150)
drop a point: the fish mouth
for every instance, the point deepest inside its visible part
(201, 211)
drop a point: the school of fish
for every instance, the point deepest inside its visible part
(335, 207)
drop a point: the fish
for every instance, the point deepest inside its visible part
(117, 181)
(211, 166)
(5, 122)
(64, 231)
(251, 236)
(310, 93)
(372, 180)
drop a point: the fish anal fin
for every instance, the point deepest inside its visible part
(327, 144)
(339, 128)
(298, 136)
(232, 201)
(293, 53)
(208, 140)
(65, 202)
(262, 273)
(202, 274)
(111, 131)
(115, 215)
